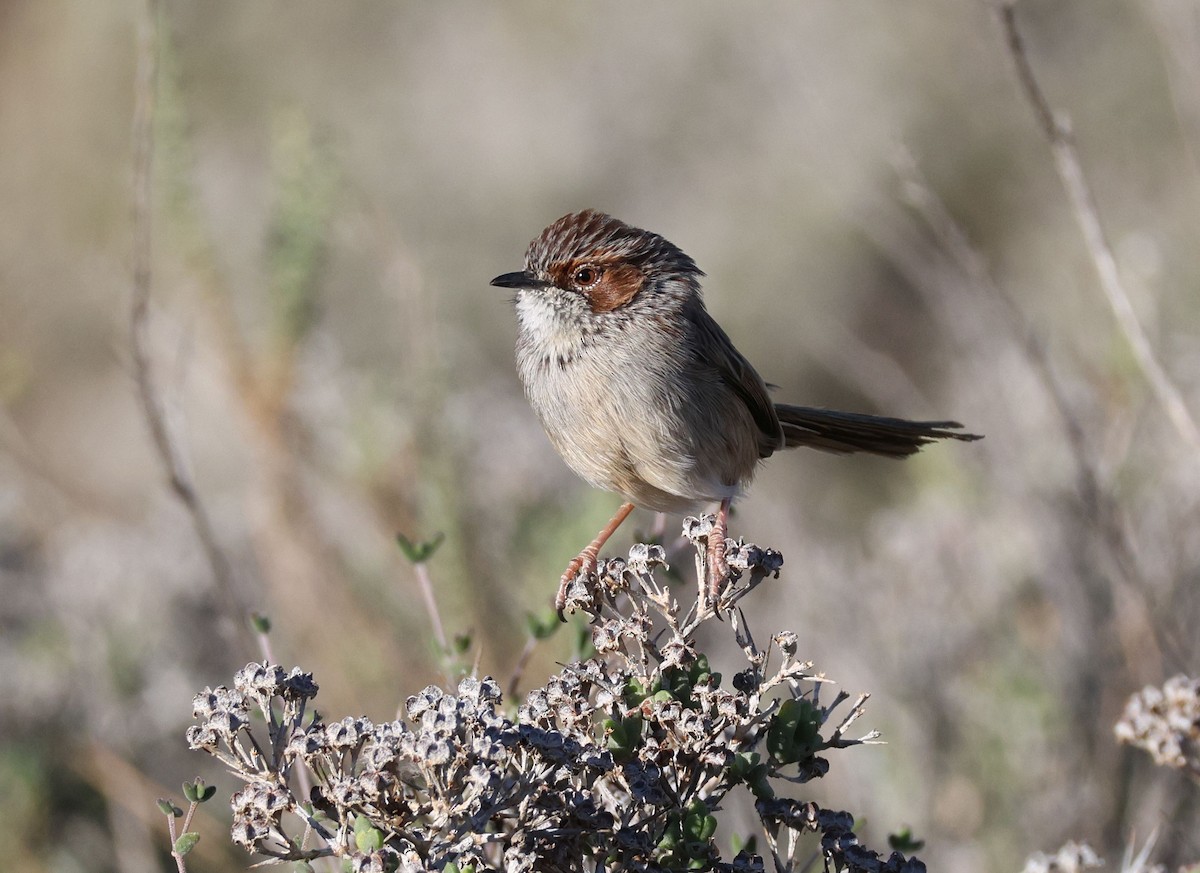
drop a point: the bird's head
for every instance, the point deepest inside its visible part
(603, 262)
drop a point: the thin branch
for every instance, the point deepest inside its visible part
(514, 681)
(180, 864)
(431, 608)
(1100, 508)
(168, 451)
(950, 235)
(1058, 133)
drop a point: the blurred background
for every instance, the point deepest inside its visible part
(883, 230)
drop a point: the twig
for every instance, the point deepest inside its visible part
(180, 864)
(514, 680)
(435, 618)
(950, 235)
(1058, 133)
(168, 451)
(1100, 509)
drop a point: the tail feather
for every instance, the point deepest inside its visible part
(845, 432)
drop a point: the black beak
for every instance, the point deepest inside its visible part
(522, 279)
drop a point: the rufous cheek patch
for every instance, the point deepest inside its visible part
(618, 284)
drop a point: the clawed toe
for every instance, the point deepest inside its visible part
(581, 567)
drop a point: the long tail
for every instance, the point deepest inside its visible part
(834, 431)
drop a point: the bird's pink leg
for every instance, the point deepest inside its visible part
(585, 561)
(718, 570)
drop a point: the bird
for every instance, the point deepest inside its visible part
(643, 393)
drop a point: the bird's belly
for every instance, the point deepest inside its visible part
(632, 436)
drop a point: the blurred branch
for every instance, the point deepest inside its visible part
(1058, 133)
(1099, 506)
(1175, 22)
(169, 453)
(950, 235)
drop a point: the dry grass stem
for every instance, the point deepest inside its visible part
(1083, 204)
(165, 442)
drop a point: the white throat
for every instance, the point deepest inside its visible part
(549, 326)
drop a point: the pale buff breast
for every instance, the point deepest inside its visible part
(621, 416)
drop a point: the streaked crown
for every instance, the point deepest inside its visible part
(594, 237)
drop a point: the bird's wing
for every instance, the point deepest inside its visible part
(716, 350)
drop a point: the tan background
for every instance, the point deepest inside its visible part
(335, 185)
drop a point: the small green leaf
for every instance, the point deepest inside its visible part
(302, 867)
(739, 844)
(367, 837)
(186, 843)
(166, 807)
(794, 732)
(905, 842)
(420, 552)
(623, 736)
(543, 626)
(370, 841)
(462, 643)
(635, 692)
(744, 763)
(260, 623)
(668, 842)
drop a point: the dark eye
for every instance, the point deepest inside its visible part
(585, 276)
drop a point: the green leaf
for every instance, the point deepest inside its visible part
(760, 785)
(260, 623)
(668, 842)
(369, 841)
(905, 842)
(634, 692)
(699, 825)
(738, 844)
(794, 732)
(420, 552)
(367, 837)
(542, 626)
(623, 736)
(166, 807)
(186, 843)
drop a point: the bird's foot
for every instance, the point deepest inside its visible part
(582, 567)
(718, 566)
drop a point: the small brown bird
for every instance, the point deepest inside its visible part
(641, 391)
